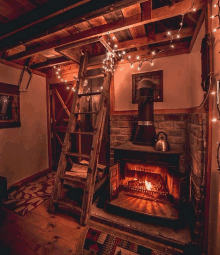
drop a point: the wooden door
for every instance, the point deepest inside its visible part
(61, 97)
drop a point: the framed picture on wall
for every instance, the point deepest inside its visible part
(156, 77)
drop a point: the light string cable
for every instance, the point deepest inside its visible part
(155, 52)
(217, 5)
(59, 76)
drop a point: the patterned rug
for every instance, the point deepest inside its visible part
(32, 194)
(99, 242)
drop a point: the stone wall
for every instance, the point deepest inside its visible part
(195, 134)
(122, 129)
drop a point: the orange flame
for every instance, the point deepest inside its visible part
(148, 185)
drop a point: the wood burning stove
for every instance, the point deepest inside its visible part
(146, 181)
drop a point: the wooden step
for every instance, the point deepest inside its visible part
(73, 154)
(70, 203)
(89, 94)
(82, 133)
(93, 76)
(85, 113)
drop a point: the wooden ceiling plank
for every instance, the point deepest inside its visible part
(199, 24)
(74, 56)
(30, 26)
(157, 14)
(50, 62)
(42, 13)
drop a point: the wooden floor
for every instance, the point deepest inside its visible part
(38, 233)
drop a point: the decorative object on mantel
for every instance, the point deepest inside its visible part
(156, 77)
(102, 240)
(29, 196)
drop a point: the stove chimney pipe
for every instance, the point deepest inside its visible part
(145, 133)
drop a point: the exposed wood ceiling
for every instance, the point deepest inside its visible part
(46, 30)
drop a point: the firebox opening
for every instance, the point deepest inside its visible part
(149, 182)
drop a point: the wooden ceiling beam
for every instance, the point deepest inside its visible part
(50, 62)
(72, 16)
(136, 20)
(157, 38)
(198, 27)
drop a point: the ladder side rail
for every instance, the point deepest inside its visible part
(92, 169)
(67, 144)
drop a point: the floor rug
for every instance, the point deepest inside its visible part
(30, 195)
(95, 241)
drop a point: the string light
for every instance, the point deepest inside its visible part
(214, 120)
(217, 5)
(172, 36)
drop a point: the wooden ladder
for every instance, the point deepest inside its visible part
(89, 180)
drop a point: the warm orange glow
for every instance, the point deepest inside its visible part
(148, 185)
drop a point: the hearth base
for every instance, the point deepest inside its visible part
(145, 206)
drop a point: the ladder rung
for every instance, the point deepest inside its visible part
(83, 133)
(89, 94)
(69, 203)
(86, 113)
(92, 76)
(74, 179)
(73, 154)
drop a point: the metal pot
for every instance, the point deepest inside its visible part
(161, 142)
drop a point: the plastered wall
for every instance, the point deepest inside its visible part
(24, 150)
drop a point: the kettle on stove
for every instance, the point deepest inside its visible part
(161, 142)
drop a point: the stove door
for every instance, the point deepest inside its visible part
(114, 180)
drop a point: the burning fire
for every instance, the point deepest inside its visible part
(148, 185)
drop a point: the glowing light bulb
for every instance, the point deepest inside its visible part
(73, 89)
(61, 79)
(178, 36)
(172, 46)
(132, 66)
(214, 30)
(194, 9)
(119, 55)
(153, 53)
(169, 33)
(123, 52)
(138, 57)
(122, 60)
(57, 72)
(113, 37)
(212, 17)
(58, 69)
(109, 43)
(65, 80)
(68, 87)
(101, 87)
(181, 23)
(116, 45)
(214, 120)
(54, 67)
(129, 57)
(152, 63)
(58, 77)
(215, 5)
(139, 68)
(213, 92)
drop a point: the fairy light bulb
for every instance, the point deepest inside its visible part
(153, 52)
(68, 87)
(214, 30)
(172, 46)
(123, 52)
(73, 89)
(138, 57)
(61, 79)
(58, 69)
(122, 60)
(54, 67)
(214, 120)
(194, 9)
(181, 23)
(113, 38)
(178, 36)
(57, 72)
(169, 33)
(139, 68)
(213, 93)
(132, 66)
(109, 43)
(116, 45)
(212, 17)
(58, 77)
(152, 63)
(65, 80)
(215, 5)
(129, 57)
